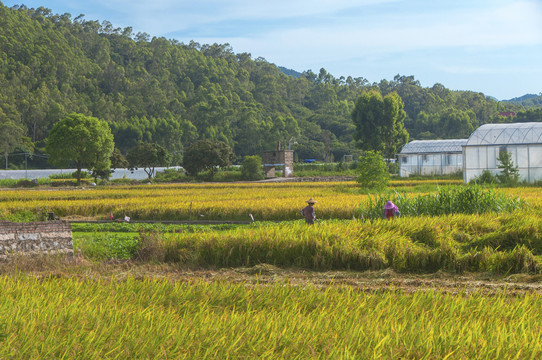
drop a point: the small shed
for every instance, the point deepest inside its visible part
(522, 140)
(431, 157)
(278, 157)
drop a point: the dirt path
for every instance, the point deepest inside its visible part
(386, 280)
(374, 281)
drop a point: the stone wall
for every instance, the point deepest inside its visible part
(274, 158)
(45, 237)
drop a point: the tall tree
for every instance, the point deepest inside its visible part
(148, 156)
(85, 140)
(207, 155)
(380, 122)
(11, 135)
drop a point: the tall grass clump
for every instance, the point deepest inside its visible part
(472, 199)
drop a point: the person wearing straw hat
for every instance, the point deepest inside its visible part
(308, 212)
(390, 211)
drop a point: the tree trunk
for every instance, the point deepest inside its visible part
(79, 166)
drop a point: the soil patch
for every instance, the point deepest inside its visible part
(269, 275)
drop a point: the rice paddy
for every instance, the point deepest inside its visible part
(128, 311)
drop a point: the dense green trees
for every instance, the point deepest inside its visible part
(380, 122)
(11, 135)
(85, 140)
(161, 91)
(207, 155)
(147, 156)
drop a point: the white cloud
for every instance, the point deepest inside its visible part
(515, 24)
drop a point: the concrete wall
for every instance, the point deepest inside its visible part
(278, 158)
(45, 237)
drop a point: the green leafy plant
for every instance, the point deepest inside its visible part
(251, 168)
(486, 177)
(509, 173)
(373, 171)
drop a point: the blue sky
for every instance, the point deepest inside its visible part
(490, 46)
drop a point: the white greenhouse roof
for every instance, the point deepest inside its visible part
(434, 146)
(507, 134)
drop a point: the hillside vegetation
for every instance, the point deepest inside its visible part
(170, 93)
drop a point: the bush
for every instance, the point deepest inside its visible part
(251, 168)
(170, 175)
(373, 171)
(226, 176)
(26, 183)
(486, 177)
(206, 155)
(22, 216)
(509, 173)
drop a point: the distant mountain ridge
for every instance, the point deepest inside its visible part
(524, 97)
(528, 101)
(290, 72)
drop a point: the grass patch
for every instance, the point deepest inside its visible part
(446, 200)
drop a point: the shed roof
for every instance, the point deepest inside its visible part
(507, 134)
(434, 146)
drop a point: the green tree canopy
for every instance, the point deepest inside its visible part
(147, 156)
(207, 155)
(11, 135)
(85, 140)
(380, 122)
(374, 173)
(251, 168)
(509, 174)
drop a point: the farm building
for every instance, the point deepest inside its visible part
(431, 157)
(522, 140)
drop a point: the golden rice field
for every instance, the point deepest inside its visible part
(69, 318)
(49, 314)
(224, 201)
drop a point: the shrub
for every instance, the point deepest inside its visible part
(373, 171)
(26, 183)
(207, 155)
(486, 177)
(22, 216)
(251, 168)
(170, 175)
(509, 173)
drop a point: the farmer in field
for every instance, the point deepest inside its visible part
(390, 211)
(308, 212)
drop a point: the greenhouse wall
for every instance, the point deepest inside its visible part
(429, 164)
(527, 157)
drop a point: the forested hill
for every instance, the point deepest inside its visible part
(528, 101)
(163, 91)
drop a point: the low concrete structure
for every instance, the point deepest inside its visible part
(44, 237)
(273, 158)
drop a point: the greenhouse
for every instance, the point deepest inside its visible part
(431, 157)
(522, 140)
